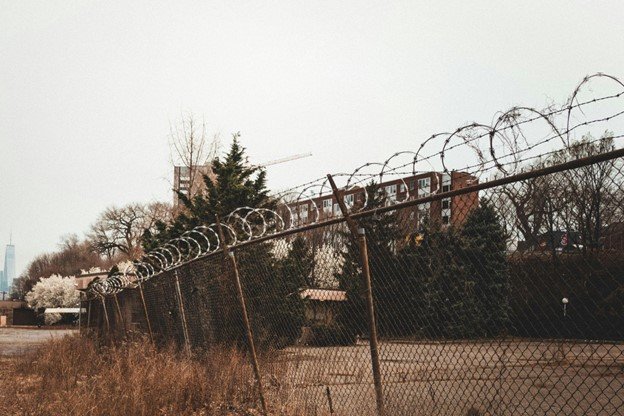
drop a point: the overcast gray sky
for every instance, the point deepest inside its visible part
(88, 89)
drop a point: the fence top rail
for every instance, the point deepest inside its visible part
(514, 139)
(536, 173)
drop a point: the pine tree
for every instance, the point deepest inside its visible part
(433, 297)
(485, 255)
(237, 184)
(381, 235)
(284, 316)
(456, 280)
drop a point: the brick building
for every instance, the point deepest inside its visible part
(446, 211)
(190, 181)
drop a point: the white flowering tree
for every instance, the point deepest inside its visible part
(327, 263)
(53, 292)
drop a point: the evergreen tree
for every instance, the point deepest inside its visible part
(285, 315)
(236, 185)
(433, 300)
(456, 280)
(381, 235)
(485, 245)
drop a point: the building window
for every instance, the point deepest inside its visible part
(446, 188)
(303, 212)
(402, 187)
(337, 209)
(424, 209)
(445, 219)
(390, 192)
(446, 203)
(348, 199)
(327, 206)
(424, 183)
(410, 183)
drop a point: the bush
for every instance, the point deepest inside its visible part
(324, 335)
(593, 283)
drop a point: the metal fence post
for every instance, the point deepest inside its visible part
(249, 334)
(187, 345)
(121, 318)
(80, 316)
(105, 314)
(149, 325)
(360, 235)
(89, 315)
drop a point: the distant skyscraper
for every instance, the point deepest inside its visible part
(3, 283)
(9, 267)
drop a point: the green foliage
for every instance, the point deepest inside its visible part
(325, 335)
(381, 236)
(236, 185)
(592, 281)
(456, 281)
(485, 245)
(281, 307)
(270, 286)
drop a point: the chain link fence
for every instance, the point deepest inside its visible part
(489, 299)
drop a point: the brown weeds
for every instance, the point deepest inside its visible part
(77, 376)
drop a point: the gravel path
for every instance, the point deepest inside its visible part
(15, 341)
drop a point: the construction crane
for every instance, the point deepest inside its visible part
(282, 160)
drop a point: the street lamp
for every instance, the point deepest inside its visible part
(564, 302)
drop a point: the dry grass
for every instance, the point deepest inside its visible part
(77, 376)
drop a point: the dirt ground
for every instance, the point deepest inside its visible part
(15, 341)
(459, 378)
(500, 377)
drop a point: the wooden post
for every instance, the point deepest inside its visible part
(249, 334)
(360, 234)
(187, 345)
(123, 321)
(149, 325)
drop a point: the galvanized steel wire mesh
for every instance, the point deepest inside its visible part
(497, 295)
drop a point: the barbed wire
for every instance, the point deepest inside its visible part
(502, 147)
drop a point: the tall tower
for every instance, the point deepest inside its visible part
(9, 265)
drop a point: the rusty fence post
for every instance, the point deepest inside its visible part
(105, 314)
(359, 235)
(121, 318)
(248, 332)
(89, 315)
(149, 325)
(80, 315)
(187, 345)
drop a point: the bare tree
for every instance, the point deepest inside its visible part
(593, 199)
(582, 200)
(191, 151)
(72, 256)
(118, 230)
